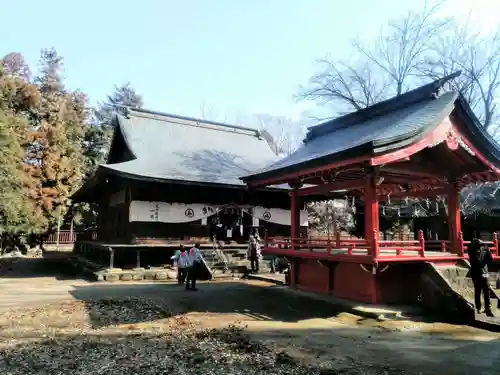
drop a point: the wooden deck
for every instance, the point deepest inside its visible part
(158, 245)
(383, 252)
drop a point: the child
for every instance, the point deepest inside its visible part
(181, 258)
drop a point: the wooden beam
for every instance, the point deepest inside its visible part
(411, 171)
(327, 188)
(469, 144)
(464, 171)
(414, 194)
(280, 178)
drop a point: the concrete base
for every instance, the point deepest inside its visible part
(416, 284)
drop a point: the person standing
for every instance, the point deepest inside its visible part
(253, 254)
(182, 261)
(195, 264)
(480, 257)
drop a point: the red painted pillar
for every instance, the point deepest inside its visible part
(454, 222)
(371, 214)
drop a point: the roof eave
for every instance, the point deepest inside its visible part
(475, 132)
(279, 174)
(137, 177)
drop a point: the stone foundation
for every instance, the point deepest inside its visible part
(96, 272)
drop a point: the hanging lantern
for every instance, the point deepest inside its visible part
(389, 198)
(399, 212)
(437, 207)
(427, 203)
(406, 200)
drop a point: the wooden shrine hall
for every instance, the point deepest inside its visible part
(424, 143)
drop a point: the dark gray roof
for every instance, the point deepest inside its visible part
(385, 126)
(174, 148)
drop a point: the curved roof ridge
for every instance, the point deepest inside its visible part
(426, 92)
(168, 117)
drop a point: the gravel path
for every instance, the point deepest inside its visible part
(53, 323)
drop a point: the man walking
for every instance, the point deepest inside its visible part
(479, 258)
(194, 267)
(253, 253)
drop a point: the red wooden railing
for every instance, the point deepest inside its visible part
(388, 250)
(65, 237)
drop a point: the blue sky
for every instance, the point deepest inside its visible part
(231, 58)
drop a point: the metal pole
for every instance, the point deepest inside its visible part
(58, 227)
(71, 229)
(111, 257)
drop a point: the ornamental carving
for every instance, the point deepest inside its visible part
(454, 141)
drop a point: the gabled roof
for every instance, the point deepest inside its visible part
(166, 147)
(387, 126)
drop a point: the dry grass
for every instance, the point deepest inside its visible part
(136, 336)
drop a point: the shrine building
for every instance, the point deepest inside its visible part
(424, 143)
(172, 180)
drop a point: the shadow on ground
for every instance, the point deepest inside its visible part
(50, 265)
(110, 304)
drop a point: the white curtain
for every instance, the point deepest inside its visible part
(162, 212)
(276, 215)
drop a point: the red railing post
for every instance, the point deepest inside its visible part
(375, 245)
(329, 246)
(349, 249)
(337, 240)
(495, 242)
(460, 244)
(421, 241)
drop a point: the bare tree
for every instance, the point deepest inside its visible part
(332, 216)
(283, 134)
(389, 66)
(209, 113)
(478, 57)
(412, 50)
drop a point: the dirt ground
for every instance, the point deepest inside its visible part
(42, 307)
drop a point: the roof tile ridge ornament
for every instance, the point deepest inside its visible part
(192, 121)
(429, 91)
(126, 112)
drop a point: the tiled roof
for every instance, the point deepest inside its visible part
(388, 125)
(168, 147)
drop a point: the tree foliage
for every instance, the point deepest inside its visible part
(332, 216)
(42, 128)
(122, 97)
(98, 136)
(17, 211)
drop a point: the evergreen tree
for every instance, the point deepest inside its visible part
(59, 126)
(123, 96)
(98, 135)
(18, 214)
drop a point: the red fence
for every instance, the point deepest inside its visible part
(65, 237)
(69, 237)
(374, 250)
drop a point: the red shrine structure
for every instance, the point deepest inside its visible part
(424, 143)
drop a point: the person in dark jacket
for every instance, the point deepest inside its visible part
(479, 258)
